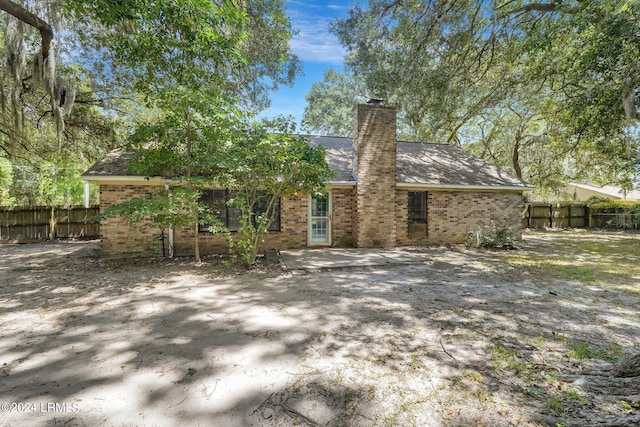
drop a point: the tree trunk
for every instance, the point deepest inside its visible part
(30, 19)
(196, 241)
(52, 223)
(609, 385)
(630, 367)
(194, 212)
(516, 159)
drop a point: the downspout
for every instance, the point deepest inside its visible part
(166, 187)
(86, 194)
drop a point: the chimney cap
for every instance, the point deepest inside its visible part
(375, 101)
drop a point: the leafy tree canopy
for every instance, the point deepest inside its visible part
(462, 71)
(117, 63)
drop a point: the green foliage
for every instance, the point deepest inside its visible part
(623, 214)
(604, 203)
(137, 64)
(492, 237)
(6, 180)
(162, 209)
(242, 46)
(593, 200)
(258, 166)
(503, 355)
(158, 42)
(262, 167)
(57, 183)
(587, 351)
(548, 94)
(554, 405)
(329, 103)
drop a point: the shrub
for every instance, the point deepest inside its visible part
(599, 202)
(492, 237)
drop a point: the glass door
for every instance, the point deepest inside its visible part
(320, 220)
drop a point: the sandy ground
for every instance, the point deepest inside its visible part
(461, 339)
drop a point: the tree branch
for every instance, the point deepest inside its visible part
(46, 32)
(538, 7)
(534, 7)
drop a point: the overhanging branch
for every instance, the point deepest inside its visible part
(552, 6)
(46, 32)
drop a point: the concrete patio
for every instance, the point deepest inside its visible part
(335, 258)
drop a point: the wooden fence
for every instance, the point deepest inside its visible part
(43, 222)
(617, 217)
(576, 215)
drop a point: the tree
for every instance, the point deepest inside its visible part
(103, 50)
(45, 30)
(52, 126)
(258, 166)
(329, 103)
(261, 167)
(182, 146)
(257, 32)
(186, 69)
(451, 66)
(42, 71)
(270, 60)
(187, 62)
(182, 75)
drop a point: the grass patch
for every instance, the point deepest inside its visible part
(584, 258)
(554, 406)
(504, 356)
(587, 351)
(574, 395)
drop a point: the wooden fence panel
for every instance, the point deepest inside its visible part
(34, 223)
(615, 218)
(558, 215)
(573, 215)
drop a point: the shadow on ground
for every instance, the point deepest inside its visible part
(456, 340)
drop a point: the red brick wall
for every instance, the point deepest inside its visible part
(118, 238)
(343, 206)
(374, 145)
(292, 234)
(451, 214)
(293, 226)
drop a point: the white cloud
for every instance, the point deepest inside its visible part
(314, 42)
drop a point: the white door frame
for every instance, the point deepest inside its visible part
(312, 218)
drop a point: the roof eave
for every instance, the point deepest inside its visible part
(342, 184)
(463, 187)
(124, 179)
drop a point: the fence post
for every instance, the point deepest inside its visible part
(52, 224)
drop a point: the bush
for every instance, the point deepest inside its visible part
(492, 237)
(602, 203)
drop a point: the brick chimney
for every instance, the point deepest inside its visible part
(374, 165)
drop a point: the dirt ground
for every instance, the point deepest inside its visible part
(467, 338)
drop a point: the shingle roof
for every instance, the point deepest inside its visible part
(419, 164)
(338, 155)
(423, 164)
(114, 164)
(445, 164)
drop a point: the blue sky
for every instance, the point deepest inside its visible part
(317, 48)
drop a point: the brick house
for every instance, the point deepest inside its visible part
(386, 193)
